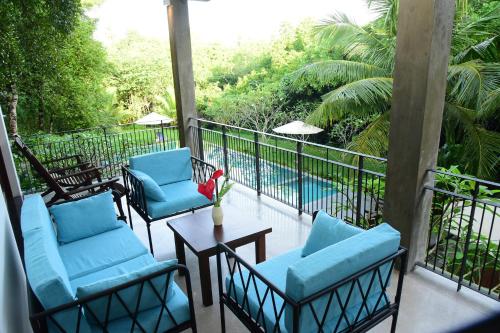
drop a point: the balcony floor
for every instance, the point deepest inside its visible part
(430, 303)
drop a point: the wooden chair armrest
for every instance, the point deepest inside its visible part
(106, 183)
(64, 158)
(90, 172)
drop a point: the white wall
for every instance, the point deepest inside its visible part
(13, 299)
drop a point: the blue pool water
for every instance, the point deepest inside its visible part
(276, 180)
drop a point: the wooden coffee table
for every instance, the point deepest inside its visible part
(197, 231)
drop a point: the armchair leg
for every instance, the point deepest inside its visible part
(394, 322)
(130, 216)
(222, 318)
(148, 224)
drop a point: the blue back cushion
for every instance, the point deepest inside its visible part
(85, 218)
(334, 263)
(165, 167)
(326, 231)
(130, 295)
(46, 273)
(151, 189)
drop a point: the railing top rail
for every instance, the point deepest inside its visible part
(97, 128)
(381, 159)
(465, 177)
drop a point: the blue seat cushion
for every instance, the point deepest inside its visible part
(177, 305)
(151, 189)
(327, 230)
(275, 270)
(180, 196)
(92, 254)
(113, 271)
(85, 217)
(141, 296)
(165, 167)
(325, 267)
(45, 270)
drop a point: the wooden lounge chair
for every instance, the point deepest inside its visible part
(69, 182)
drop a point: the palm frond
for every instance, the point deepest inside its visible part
(486, 51)
(362, 96)
(374, 139)
(335, 72)
(465, 81)
(387, 10)
(481, 147)
(490, 105)
(471, 81)
(365, 43)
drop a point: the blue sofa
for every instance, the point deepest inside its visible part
(337, 282)
(164, 184)
(90, 273)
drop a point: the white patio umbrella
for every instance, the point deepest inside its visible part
(154, 119)
(298, 127)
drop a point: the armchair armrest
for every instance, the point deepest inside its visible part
(134, 189)
(236, 272)
(73, 311)
(202, 170)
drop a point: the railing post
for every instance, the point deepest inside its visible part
(257, 161)
(359, 190)
(201, 151)
(107, 148)
(299, 174)
(469, 233)
(224, 147)
(162, 135)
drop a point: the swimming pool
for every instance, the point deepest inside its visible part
(276, 180)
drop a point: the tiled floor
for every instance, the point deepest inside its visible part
(430, 302)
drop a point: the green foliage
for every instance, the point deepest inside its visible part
(362, 81)
(52, 64)
(141, 78)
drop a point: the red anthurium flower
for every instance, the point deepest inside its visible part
(217, 174)
(207, 189)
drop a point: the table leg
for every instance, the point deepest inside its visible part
(260, 249)
(179, 250)
(206, 283)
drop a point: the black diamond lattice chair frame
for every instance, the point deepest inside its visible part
(136, 197)
(241, 307)
(41, 321)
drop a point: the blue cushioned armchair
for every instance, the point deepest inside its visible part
(164, 184)
(337, 282)
(90, 273)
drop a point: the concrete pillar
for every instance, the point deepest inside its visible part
(182, 68)
(422, 53)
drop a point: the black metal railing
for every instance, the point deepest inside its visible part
(464, 233)
(304, 175)
(464, 225)
(107, 147)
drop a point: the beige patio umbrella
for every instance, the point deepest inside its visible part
(154, 119)
(298, 127)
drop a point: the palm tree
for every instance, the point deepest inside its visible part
(362, 81)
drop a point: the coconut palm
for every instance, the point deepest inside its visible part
(362, 81)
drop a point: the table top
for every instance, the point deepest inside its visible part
(200, 235)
